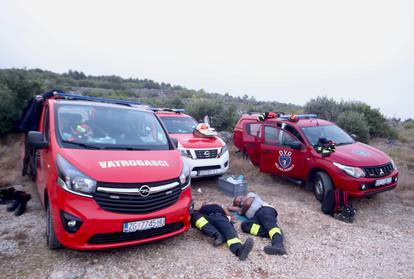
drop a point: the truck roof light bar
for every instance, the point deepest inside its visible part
(299, 116)
(67, 96)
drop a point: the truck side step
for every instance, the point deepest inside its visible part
(296, 181)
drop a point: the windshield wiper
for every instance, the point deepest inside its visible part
(84, 145)
(343, 143)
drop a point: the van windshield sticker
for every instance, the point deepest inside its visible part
(132, 163)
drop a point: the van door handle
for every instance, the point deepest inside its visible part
(267, 152)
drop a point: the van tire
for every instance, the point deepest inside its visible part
(51, 240)
(322, 184)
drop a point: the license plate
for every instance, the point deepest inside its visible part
(208, 172)
(383, 182)
(143, 225)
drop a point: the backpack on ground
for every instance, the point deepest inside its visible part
(337, 204)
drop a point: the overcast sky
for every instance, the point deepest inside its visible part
(287, 51)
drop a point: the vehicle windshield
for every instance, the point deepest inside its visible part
(179, 125)
(106, 127)
(329, 132)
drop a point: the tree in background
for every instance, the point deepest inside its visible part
(375, 124)
(354, 123)
(324, 107)
(15, 91)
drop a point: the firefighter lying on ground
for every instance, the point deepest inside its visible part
(262, 221)
(213, 221)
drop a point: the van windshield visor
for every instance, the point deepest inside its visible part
(179, 125)
(105, 127)
(328, 132)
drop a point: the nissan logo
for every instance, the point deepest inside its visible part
(206, 153)
(144, 191)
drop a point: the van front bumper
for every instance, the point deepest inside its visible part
(102, 229)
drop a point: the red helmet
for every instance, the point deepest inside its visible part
(293, 118)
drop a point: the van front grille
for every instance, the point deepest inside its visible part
(112, 196)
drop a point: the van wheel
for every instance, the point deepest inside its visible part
(51, 240)
(322, 184)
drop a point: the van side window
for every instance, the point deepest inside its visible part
(253, 129)
(271, 135)
(294, 132)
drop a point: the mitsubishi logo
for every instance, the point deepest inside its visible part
(207, 153)
(144, 191)
(381, 172)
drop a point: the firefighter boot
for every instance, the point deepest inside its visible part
(277, 247)
(218, 240)
(16, 201)
(245, 249)
(21, 208)
(6, 195)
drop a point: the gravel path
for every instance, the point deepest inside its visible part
(380, 244)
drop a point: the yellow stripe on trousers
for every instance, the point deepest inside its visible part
(254, 230)
(273, 231)
(233, 241)
(200, 223)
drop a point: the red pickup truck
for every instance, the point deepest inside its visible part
(287, 147)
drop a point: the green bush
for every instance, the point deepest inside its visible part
(354, 123)
(330, 109)
(8, 110)
(324, 107)
(408, 124)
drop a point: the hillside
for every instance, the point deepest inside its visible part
(225, 109)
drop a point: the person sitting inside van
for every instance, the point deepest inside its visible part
(262, 221)
(72, 128)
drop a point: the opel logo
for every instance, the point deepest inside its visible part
(206, 153)
(144, 191)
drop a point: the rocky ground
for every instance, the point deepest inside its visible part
(379, 244)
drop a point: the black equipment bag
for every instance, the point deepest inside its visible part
(336, 204)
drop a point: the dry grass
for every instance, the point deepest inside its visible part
(402, 152)
(239, 165)
(11, 153)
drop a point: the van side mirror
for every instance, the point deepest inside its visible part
(36, 140)
(296, 145)
(355, 137)
(175, 142)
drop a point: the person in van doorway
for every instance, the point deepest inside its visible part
(262, 221)
(213, 221)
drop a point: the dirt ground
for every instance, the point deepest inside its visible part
(379, 244)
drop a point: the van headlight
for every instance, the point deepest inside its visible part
(72, 180)
(185, 176)
(223, 150)
(352, 171)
